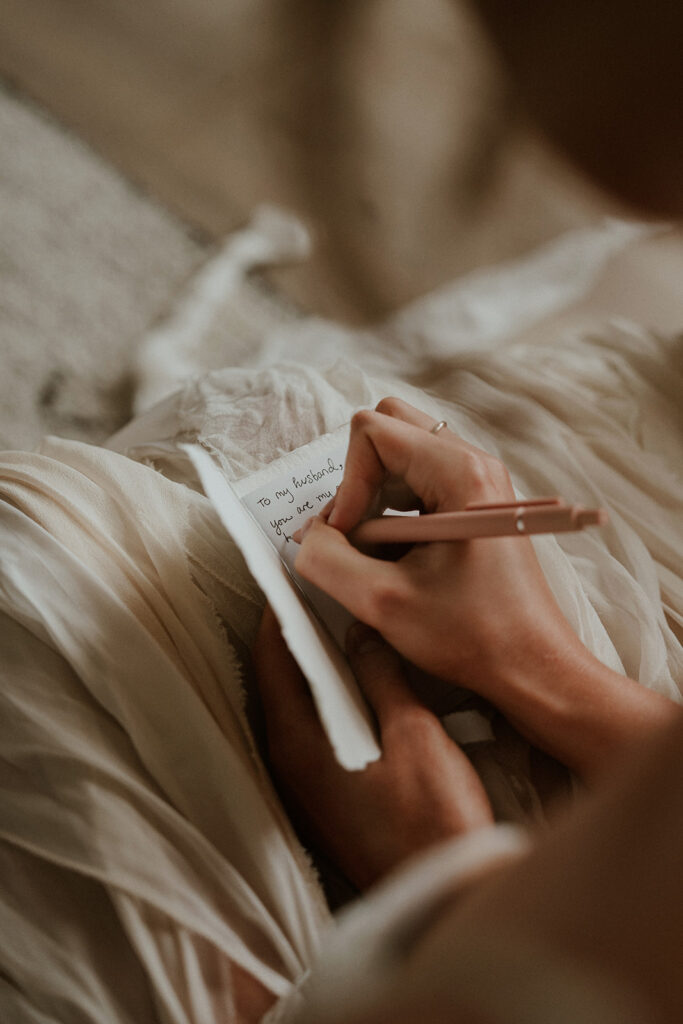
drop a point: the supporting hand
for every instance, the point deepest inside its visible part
(422, 789)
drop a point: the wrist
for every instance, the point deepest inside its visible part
(566, 702)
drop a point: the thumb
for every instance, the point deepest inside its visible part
(379, 673)
(327, 559)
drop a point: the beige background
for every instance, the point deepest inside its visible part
(385, 123)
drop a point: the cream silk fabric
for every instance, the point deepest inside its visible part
(140, 835)
(142, 846)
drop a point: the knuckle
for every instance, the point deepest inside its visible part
(420, 723)
(486, 476)
(387, 601)
(415, 728)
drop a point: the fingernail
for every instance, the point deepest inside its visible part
(299, 534)
(333, 516)
(361, 639)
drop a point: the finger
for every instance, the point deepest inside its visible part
(325, 511)
(401, 410)
(362, 584)
(378, 671)
(380, 447)
(395, 493)
(285, 697)
(444, 472)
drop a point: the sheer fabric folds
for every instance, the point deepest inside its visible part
(143, 850)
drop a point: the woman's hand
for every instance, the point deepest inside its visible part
(471, 612)
(423, 788)
(480, 612)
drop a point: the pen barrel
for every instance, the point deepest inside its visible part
(468, 525)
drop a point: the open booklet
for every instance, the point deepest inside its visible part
(261, 512)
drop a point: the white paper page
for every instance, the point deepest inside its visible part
(263, 540)
(285, 501)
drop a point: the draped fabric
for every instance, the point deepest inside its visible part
(141, 838)
(143, 850)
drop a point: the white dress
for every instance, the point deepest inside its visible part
(142, 846)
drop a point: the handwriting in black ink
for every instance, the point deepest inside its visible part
(277, 524)
(314, 475)
(285, 493)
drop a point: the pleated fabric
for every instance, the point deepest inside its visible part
(143, 850)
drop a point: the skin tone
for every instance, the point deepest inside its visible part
(420, 798)
(479, 614)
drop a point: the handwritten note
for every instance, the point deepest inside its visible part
(284, 504)
(261, 524)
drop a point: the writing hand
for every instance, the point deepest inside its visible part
(480, 612)
(469, 612)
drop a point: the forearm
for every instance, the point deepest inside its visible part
(581, 712)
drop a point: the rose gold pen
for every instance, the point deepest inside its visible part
(514, 519)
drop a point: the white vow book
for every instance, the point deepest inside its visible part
(261, 513)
